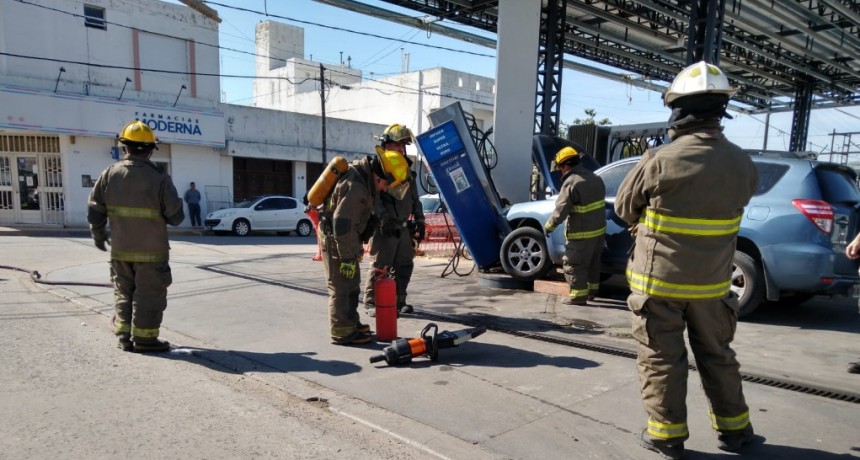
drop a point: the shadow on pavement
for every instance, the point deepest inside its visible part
(838, 315)
(240, 362)
(759, 449)
(474, 353)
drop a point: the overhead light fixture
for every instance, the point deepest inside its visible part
(177, 96)
(57, 85)
(127, 81)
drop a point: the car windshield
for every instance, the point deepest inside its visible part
(429, 204)
(837, 185)
(247, 203)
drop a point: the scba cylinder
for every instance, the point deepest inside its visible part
(325, 183)
(385, 298)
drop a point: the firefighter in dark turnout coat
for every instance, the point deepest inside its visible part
(685, 201)
(391, 243)
(138, 200)
(580, 203)
(345, 224)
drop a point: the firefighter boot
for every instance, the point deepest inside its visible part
(667, 450)
(356, 338)
(151, 346)
(572, 301)
(361, 327)
(125, 343)
(405, 308)
(733, 441)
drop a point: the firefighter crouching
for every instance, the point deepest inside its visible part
(686, 200)
(346, 221)
(138, 200)
(391, 242)
(581, 204)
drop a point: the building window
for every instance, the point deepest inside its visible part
(94, 17)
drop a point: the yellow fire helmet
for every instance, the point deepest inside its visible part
(563, 155)
(137, 134)
(396, 171)
(397, 133)
(699, 78)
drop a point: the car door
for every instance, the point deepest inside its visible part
(266, 214)
(291, 214)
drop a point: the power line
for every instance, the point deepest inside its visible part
(343, 29)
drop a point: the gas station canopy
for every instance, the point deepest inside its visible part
(775, 52)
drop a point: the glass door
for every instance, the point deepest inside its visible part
(27, 173)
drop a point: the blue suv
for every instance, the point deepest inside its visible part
(791, 245)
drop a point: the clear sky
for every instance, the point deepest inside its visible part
(328, 39)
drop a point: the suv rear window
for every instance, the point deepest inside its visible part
(768, 175)
(837, 186)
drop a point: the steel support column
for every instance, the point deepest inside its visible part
(705, 35)
(800, 116)
(550, 63)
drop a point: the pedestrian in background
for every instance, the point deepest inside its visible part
(685, 201)
(391, 243)
(853, 253)
(580, 204)
(346, 222)
(192, 198)
(139, 201)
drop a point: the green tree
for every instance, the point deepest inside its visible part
(591, 120)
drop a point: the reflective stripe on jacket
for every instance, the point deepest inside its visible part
(138, 200)
(687, 198)
(580, 202)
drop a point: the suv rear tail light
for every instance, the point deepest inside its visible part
(819, 212)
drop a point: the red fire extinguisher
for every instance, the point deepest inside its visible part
(385, 298)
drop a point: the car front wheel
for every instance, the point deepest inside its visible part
(524, 254)
(241, 227)
(747, 283)
(304, 228)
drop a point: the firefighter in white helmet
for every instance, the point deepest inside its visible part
(346, 221)
(580, 205)
(684, 201)
(138, 200)
(401, 221)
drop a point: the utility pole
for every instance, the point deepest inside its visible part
(322, 111)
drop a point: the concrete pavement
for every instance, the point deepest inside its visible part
(255, 309)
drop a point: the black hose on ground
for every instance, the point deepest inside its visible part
(37, 278)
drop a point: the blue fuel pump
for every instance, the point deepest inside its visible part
(464, 184)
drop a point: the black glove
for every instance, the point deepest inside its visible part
(369, 229)
(101, 244)
(421, 230)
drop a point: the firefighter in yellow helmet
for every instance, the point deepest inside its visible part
(401, 221)
(346, 222)
(686, 200)
(138, 200)
(580, 204)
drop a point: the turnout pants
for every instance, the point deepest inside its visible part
(395, 252)
(140, 297)
(581, 265)
(342, 295)
(658, 326)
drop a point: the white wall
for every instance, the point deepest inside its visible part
(62, 36)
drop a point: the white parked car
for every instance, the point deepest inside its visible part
(274, 213)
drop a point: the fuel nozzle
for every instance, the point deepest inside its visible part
(401, 351)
